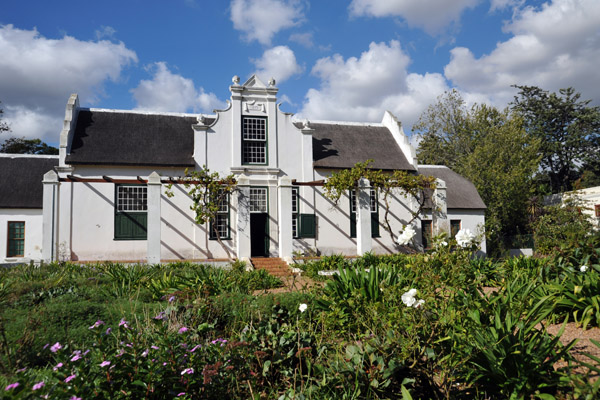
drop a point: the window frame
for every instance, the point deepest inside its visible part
(296, 212)
(138, 217)
(10, 239)
(374, 206)
(226, 215)
(245, 141)
(452, 224)
(597, 210)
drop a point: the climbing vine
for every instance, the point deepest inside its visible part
(386, 183)
(208, 190)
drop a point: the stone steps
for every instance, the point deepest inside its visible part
(274, 266)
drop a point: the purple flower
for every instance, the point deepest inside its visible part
(120, 353)
(105, 363)
(22, 370)
(195, 348)
(183, 329)
(188, 371)
(55, 347)
(57, 366)
(172, 299)
(46, 346)
(97, 324)
(181, 394)
(145, 353)
(108, 330)
(74, 398)
(154, 347)
(70, 378)
(75, 358)
(38, 385)
(161, 315)
(124, 323)
(12, 386)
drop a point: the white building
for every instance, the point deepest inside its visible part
(589, 198)
(106, 199)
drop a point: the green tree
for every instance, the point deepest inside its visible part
(490, 148)
(26, 146)
(3, 125)
(569, 131)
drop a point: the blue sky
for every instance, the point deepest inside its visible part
(336, 60)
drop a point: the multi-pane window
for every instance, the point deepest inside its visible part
(254, 140)
(295, 209)
(454, 227)
(258, 200)
(131, 212)
(221, 221)
(374, 213)
(132, 198)
(16, 239)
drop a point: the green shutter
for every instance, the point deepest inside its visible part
(131, 226)
(308, 226)
(375, 224)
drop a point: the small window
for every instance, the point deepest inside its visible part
(221, 222)
(295, 209)
(374, 213)
(16, 239)
(426, 232)
(131, 212)
(454, 227)
(254, 140)
(597, 209)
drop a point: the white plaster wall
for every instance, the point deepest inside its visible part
(33, 233)
(473, 220)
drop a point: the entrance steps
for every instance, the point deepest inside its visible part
(274, 266)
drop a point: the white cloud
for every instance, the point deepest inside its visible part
(38, 74)
(261, 19)
(279, 63)
(105, 32)
(169, 92)
(431, 15)
(304, 39)
(555, 46)
(361, 89)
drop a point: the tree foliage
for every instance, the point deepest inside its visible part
(386, 183)
(208, 190)
(569, 132)
(490, 148)
(26, 146)
(3, 125)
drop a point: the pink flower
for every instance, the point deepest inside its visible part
(38, 385)
(74, 398)
(187, 371)
(55, 347)
(195, 348)
(12, 386)
(70, 378)
(124, 323)
(57, 366)
(75, 358)
(183, 329)
(105, 363)
(108, 330)
(154, 347)
(97, 324)
(181, 394)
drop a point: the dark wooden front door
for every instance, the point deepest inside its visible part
(259, 234)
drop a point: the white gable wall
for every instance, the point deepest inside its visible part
(33, 233)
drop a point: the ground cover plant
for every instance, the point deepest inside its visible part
(384, 327)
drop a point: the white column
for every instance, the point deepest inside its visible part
(243, 218)
(153, 242)
(440, 209)
(363, 217)
(50, 217)
(285, 219)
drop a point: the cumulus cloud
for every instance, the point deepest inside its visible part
(361, 89)
(260, 20)
(431, 15)
(555, 46)
(169, 92)
(279, 63)
(304, 39)
(38, 74)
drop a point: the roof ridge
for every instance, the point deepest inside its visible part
(142, 112)
(13, 155)
(348, 123)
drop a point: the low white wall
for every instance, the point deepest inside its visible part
(33, 233)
